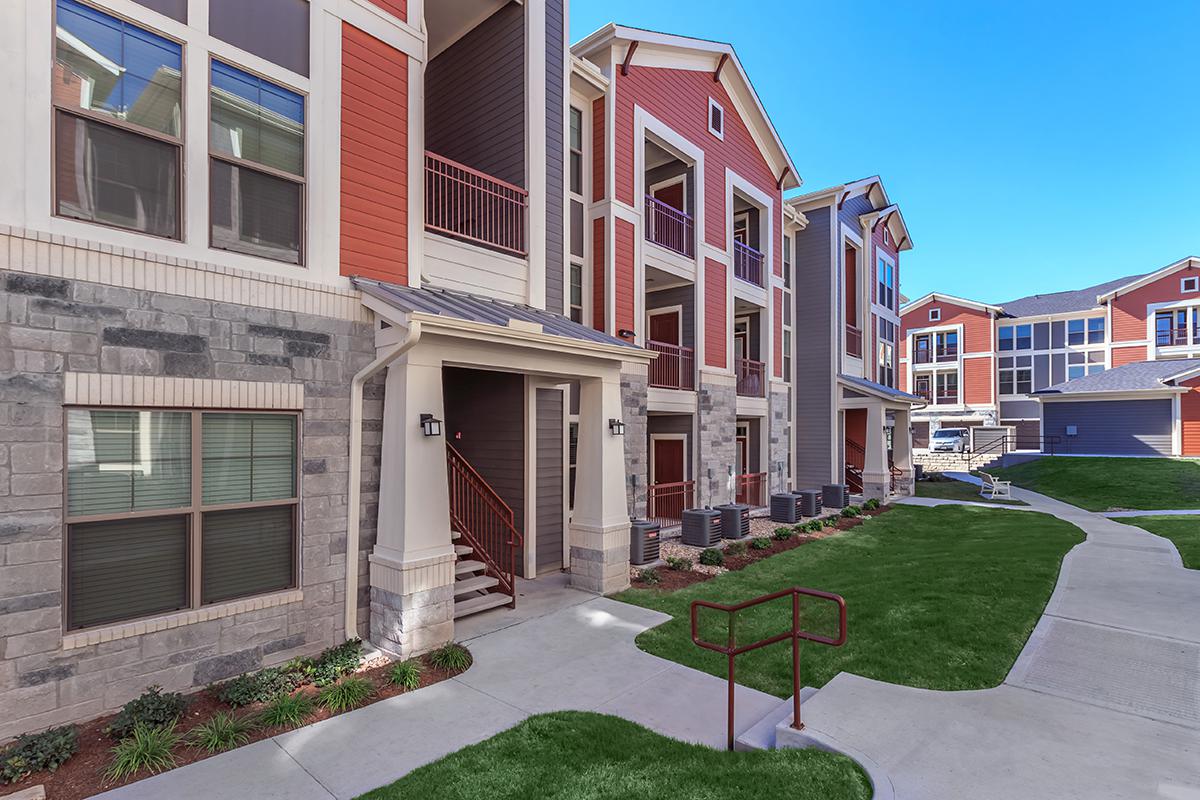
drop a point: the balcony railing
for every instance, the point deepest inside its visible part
(471, 205)
(669, 227)
(924, 393)
(751, 377)
(751, 488)
(853, 341)
(940, 354)
(666, 502)
(947, 398)
(747, 264)
(675, 367)
(1172, 338)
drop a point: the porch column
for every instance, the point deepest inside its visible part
(876, 477)
(902, 452)
(412, 564)
(600, 521)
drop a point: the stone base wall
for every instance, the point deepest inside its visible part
(637, 463)
(777, 462)
(50, 326)
(717, 441)
(600, 558)
(408, 625)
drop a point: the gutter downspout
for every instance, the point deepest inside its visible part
(354, 502)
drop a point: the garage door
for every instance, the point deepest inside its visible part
(1111, 427)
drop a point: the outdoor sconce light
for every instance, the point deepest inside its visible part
(625, 333)
(616, 427)
(431, 425)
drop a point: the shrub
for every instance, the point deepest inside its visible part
(851, 511)
(287, 710)
(649, 575)
(34, 752)
(346, 694)
(261, 686)
(153, 709)
(452, 657)
(735, 549)
(679, 563)
(224, 731)
(712, 557)
(336, 662)
(828, 522)
(815, 525)
(872, 504)
(783, 534)
(406, 674)
(148, 747)
(763, 543)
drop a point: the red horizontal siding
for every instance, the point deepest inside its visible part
(599, 244)
(1189, 406)
(374, 155)
(778, 337)
(716, 336)
(1129, 313)
(977, 380)
(623, 284)
(977, 325)
(398, 8)
(598, 149)
(1128, 355)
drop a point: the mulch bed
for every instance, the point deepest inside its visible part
(670, 580)
(83, 773)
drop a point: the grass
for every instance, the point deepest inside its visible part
(959, 490)
(224, 731)
(1183, 531)
(406, 674)
(147, 748)
(452, 657)
(584, 756)
(937, 598)
(287, 710)
(350, 692)
(1101, 484)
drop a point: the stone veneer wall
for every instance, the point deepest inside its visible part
(637, 464)
(50, 325)
(718, 441)
(777, 477)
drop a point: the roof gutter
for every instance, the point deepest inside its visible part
(354, 501)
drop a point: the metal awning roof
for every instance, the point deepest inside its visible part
(879, 390)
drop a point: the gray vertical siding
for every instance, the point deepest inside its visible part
(550, 469)
(677, 296)
(816, 301)
(556, 154)
(1111, 427)
(475, 97)
(852, 209)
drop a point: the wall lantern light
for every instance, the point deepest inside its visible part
(431, 425)
(616, 427)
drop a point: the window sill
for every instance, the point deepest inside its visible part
(126, 630)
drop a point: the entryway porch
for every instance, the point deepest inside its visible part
(876, 438)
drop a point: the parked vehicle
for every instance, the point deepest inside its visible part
(949, 440)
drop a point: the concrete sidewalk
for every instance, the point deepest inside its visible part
(1187, 512)
(560, 650)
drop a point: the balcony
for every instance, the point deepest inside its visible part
(751, 489)
(947, 398)
(747, 264)
(669, 227)
(940, 355)
(470, 205)
(854, 341)
(666, 502)
(1173, 337)
(675, 367)
(751, 377)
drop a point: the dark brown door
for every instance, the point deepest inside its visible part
(671, 195)
(668, 460)
(665, 327)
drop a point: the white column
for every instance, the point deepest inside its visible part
(875, 469)
(902, 451)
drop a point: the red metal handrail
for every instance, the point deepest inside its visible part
(468, 204)
(750, 487)
(731, 650)
(485, 522)
(751, 377)
(747, 263)
(669, 227)
(675, 367)
(853, 341)
(665, 502)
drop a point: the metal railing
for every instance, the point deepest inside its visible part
(468, 204)
(946, 398)
(751, 488)
(484, 521)
(1010, 443)
(675, 367)
(856, 458)
(853, 340)
(666, 502)
(1171, 338)
(731, 650)
(938, 354)
(751, 377)
(669, 227)
(747, 263)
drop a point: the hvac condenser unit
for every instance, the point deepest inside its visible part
(701, 527)
(810, 502)
(643, 541)
(735, 520)
(785, 507)
(835, 495)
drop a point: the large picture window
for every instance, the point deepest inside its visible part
(189, 507)
(887, 284)
(256, 174)
(118, 122)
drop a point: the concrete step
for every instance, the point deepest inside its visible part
(470, 565)
(455, 534)
(482, 603)
(461, 550)
(761, 735)
(480, 583)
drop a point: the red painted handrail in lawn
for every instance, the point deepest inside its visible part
(468, 204)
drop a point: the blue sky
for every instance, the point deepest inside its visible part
(1033, 146)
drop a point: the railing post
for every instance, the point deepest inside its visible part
(731, 688)
(796, 723)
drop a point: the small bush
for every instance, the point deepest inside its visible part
(815, 525)
(34, 752)
(346, 694)
(679, 563)
(287, 710)
(406, 674)
(735, 549)
(224, 731)
(828, 522)
(763, 543)
(261, 686)
(146, 748)
(783, 534)
(153, 709)
(851, 511)
(336, 662)
(712, 557)
(649, 575)
(452, 657)
(871, 504)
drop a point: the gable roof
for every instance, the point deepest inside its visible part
(881, 206)
(1139, 376)
(1137, 281)
(741, 90)
(948, 298)
(1036, 305)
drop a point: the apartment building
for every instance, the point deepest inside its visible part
(1099, 370)
(852, 416)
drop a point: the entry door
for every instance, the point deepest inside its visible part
(668, 460)
(742, 458)
(664, 327)
(921, 387)
(671, 195)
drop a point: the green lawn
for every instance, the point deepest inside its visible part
(939, 598)
(958, 490)
(581, 756)
(1101, 484)
(1183, 531)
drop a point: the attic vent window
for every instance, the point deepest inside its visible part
(716, 119)
(1191, 284)
(935, 314)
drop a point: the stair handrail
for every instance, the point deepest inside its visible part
(503, 567)
(853, 470)
(731, 650)
(1000, 443)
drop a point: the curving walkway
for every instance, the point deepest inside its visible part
(1103, 702)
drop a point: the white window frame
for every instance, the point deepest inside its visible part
(935, 315)
(1190, 283)
(719, 133)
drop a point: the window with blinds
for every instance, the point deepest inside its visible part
(170, 510)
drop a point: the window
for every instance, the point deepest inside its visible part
(887, 353)
(1080, 364)
(947, 388)
(935, 315)
(1189, 284)
(887, 284)
(1016, 337)
(576, 291)
(787, 262)
(1170, 327)
(256, 144)
(716, 119)
(136, 517)
(276, 30)
(1089, 331)
(576, 151)
(572, 459)
(118, 122)
(1016, 375)
(922, 348)
(787, 355)
(1196, 325)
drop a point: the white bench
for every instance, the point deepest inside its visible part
(994, 489)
